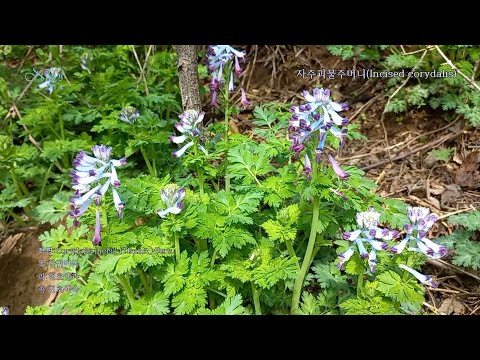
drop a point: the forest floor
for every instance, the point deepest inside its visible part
(395, 155)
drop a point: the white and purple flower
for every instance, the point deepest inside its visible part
(91, 179)
(172, 195)
(85, 61)
(52, 76)
(318, 114)
(424, 279)
(129, 114)
(421, 221)
(219, 58)
(189, 126)
(4, 310)
(370, 234)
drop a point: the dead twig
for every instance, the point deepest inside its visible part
(470, 208)
(452, 65)
(420, 148)
(365, 106)
(441, 263)
(140, 66)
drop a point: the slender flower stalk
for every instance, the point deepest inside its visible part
(297, 289)
(223, 63)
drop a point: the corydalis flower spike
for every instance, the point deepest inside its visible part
(220, 57)
(172, 195)
(190, 127)
(424, 279)
(90, 178)
(129, 114)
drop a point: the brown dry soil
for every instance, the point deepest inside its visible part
(19, 267)
(413, 175)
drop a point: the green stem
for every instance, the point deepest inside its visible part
(199, 171)
(128, 290)
(256, 300)
(154, 166)
(143, 279)
(20, 194)
(62, 130)
(211, 299)
(360, 285)
(406, 273)
(227, 126)
(214, 256)
(149, 165)
(177, 245)
(216, 292)
(200, 179)
(291, 251)
(104, 216)
(45, 179)
(314, 253)
(17, 218)
(297, 289)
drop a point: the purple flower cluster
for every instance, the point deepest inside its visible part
(172, 195)
(319, 114)
(87, 176)
(421, 220)
(366, 235)
(219, 57)
(189, 126)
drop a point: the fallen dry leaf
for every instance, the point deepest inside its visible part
(467, 175)
(451, 194)
(452, 306)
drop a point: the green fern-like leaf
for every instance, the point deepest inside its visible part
(156, 305)
(231, 306)
(470, 220)
(393, 286)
